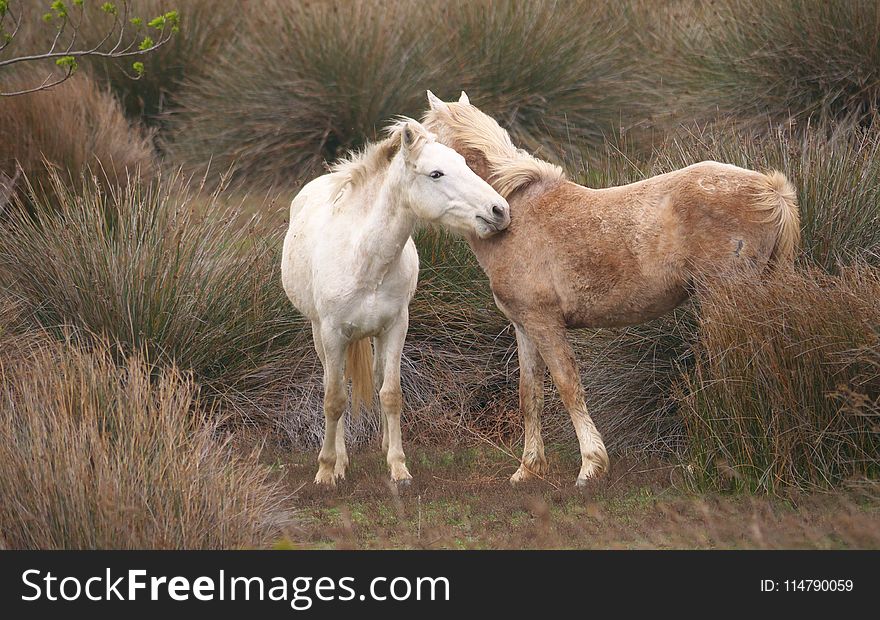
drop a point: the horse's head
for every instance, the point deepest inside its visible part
(443, 190)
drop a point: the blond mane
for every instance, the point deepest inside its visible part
(358, 167)
(463, 126)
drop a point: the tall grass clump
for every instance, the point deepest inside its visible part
(154, 267)
(791, 61)
(67, 129)
(206, 29)
(557, 75)
(307, 82)
(786, 386)
(96, 455)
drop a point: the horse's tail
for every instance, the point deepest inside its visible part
(359, 368)
(778, 199)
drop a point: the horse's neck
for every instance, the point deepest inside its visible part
(388, 225)
(486, 250)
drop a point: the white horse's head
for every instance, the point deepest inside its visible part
(443, 190)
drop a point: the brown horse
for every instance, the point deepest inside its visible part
(580, 257)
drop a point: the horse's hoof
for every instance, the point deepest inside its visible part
(325, 479)
(519, 477)
(403, 483)
(582, 483)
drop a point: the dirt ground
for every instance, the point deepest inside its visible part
(461, 499)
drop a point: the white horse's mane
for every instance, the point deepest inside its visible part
(358, 167)
(510, 168)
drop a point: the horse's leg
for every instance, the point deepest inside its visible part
(341, 453)
(335, 398)
(559, 357)
(531, 403)
(378, 379)
(390, 343)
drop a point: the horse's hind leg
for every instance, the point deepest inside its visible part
(559, 357)
(335, 398)
(531, 403)
(378, 380)
(390, 396)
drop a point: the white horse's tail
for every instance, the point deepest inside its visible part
(779, 201)
(359, 369)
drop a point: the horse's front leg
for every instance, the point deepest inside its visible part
(559, 357)
(341, 453)
(531, 403)
(335, 398)
(390, 345)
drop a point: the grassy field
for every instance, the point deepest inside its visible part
(139, 255)
(461, 499)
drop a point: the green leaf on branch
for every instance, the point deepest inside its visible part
(4, 6)
(60, 9)
(109, 8)
(138, 68)
(146, 44)
(137, 21)
(67, 62)
(173, 19)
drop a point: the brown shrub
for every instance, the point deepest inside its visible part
(93, 455)
(74, 128)
(785, 391)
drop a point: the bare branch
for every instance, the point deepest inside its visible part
(14, 32)
(47, 83)
(137, 44)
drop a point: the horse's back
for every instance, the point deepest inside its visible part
(626, 254)
(704, 216)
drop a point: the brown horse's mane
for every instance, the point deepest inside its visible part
(465, 127)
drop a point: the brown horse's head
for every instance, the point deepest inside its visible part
(486, 146)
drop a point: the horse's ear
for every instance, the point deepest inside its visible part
(464, 98)
(407, 137)
(435, 102)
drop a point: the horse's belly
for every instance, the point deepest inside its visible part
(619, 308)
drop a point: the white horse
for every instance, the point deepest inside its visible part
(349, 264)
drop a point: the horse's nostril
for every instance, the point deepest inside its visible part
(497, 211)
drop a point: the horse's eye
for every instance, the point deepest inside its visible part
(436, 174)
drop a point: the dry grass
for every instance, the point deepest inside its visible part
(155, 267)
(787, 61)
(785, 391)
(97, 454)
(75, 129)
